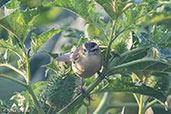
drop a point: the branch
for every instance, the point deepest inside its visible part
(29, 88)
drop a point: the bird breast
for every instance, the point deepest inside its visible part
(87, 66)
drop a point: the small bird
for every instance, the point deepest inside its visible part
(86, 60)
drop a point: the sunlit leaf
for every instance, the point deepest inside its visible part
(93, 30)
(14, 48)
(158, 82)
(108, 7)
(81, 7)
(13, 4)
(19, 23)
(39, 86)
(123, 42)
(21, 99)
(56, 67)
(114, 8)
(160, 17)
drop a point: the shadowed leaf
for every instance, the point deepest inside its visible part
(125, 84)
(38, 41)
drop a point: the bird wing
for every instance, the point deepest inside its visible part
(75, 56)
(64, 57)
(69, 57)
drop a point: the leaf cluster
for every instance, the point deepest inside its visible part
(133, 43)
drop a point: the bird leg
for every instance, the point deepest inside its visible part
(82, 90)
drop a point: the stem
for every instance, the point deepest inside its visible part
(110, 42)
(13, 79)
(27, 63)
(27, 107)
(13, 68)
(30, 90)
(103, 106)
(37, 105)
(149, 105)
(80, 97)
(141, 105)
(136, 98)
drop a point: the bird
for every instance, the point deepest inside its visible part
(86, 60)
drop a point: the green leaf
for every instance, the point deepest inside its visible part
(114, 8)
(13, 4)
(143, 65)
(3, 106)
(20, 23)
(38, 41)
(21, 99)
(128, 56)
(160, 17)
(93, 30)
(123, 42)
(83, 8)
(158, 82)
(125, 84)
(108, 7)
(53, 66)
(162, 38)
(39, 87)
(14, 48)
(53, 55)
(56, 67)
(134, 54)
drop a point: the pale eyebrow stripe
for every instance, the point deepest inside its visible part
(95, 47)
(84, 46)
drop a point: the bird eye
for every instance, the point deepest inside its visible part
(85, 50)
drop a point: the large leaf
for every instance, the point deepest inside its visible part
(131, 55)
(38, 41)
(19, 23)
(145, 59)
(143, 65)
(125, 84)
(13, 4)
(83, 8)
(108, 7)
(114, 8)
(156, 35)
(14, 48)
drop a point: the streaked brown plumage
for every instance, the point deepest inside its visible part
(86, 60)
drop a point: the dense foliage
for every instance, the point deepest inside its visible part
(135, 40)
